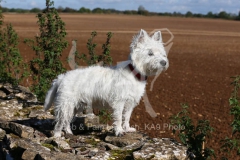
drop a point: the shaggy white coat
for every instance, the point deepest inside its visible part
(116, 87)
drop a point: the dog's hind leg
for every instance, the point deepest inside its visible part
(58, 129)
(68, 129)
(127, 112)
(64, 114)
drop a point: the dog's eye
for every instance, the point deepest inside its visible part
(150, 53)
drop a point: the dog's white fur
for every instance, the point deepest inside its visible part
(117, 87)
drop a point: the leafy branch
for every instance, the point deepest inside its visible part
(48, 48)
(92, 57)
(233, 144)
(194, 137)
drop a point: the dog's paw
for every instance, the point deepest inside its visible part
(119, 132)
(68, 130)
(130, 129)
(57, 134)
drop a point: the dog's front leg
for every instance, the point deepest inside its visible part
(126, 117)
(117, 117)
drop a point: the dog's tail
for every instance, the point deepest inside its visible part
(52, 92)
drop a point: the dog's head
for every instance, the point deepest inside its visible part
(148, 54)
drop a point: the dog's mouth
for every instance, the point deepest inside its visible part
(154, 71)
(165, 68)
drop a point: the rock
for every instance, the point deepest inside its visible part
(21, 130)
(7, 88)
(25, 148)
(75, 141)
(24, 89)
(2, 134)
(134, 146)
(125, 140)
(40, 114)
(18, 129)
(66, 156)
(82, 151)
(9, 109)
(102, 155)
(76, 144)
(93, 152)
(2, 94)
(20, 92)
(161, 149)
(29, 154)
(60, 143)
(26, 97)
(109, 146)
(39, 136)
(44, 156)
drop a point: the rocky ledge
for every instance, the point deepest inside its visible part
(26, 133)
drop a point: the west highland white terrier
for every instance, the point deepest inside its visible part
(120, 88)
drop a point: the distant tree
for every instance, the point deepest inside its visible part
(12, 10)
(127, 12)
(69, 10)
(97, 10)
(199, 15)
(238, 17)
(142, 11)
(60, 9)
(18, 10)
(35, 10)
(141, 8)
(165, 14)
(4, 9)
(84, 10)
(210, 15)
(189, 14)
(107, 11)
(110, 10)
(177, 14)
(224, 15)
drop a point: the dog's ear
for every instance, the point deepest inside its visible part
(157, 36)
(139, 38)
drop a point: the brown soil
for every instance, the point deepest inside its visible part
(204, 56)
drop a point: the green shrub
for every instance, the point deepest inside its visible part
(12, 68)
(193, 136)
(48, 47)
(94, 58)
(233, 144)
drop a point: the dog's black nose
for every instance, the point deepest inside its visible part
(163, 63)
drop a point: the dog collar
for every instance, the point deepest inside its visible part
(137, 74)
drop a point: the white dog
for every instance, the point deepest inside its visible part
(120, 88)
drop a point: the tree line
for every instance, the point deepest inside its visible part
(141, 11)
